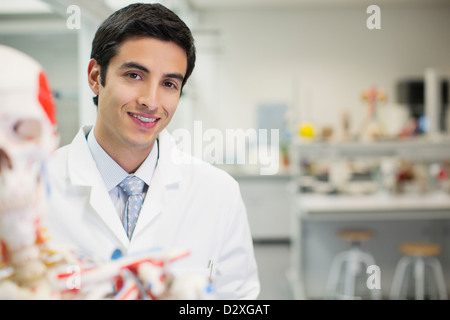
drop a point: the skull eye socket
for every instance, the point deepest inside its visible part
(27, 130)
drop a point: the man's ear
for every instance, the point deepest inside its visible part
(94, 76)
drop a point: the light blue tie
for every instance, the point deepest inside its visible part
(133, 187)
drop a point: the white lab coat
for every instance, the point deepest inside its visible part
(189, 205)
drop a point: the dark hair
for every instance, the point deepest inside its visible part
(140, 19)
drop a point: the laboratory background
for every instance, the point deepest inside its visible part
(331, 114)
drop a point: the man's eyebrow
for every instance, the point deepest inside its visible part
(134, 65)
(177, 76)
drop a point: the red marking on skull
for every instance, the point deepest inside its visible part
(45, 98)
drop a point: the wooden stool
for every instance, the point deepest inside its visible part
(416, 257)
(356, 235)
(350, 264)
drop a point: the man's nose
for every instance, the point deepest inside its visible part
(149, 97)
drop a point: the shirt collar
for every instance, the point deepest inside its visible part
(111, 172)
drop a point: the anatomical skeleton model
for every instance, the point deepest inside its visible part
(371, 127)
(30, 268)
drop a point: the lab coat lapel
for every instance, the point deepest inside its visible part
(83, 171)
(167, 173)
(102, 204)
(153, 203)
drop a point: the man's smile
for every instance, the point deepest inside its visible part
(142, 118)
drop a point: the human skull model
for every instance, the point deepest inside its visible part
(27, 137)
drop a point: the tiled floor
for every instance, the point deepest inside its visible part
(273, 263)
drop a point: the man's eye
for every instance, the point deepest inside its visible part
(133, 75)
(170, 84)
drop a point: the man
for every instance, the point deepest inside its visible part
(142, 56)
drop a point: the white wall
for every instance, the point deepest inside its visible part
(317, 60)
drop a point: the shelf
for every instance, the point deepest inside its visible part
(374, 207)
(414, 149)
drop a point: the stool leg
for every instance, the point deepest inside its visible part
(419, 278)
(350, 274)
(439, 276)
(335, 271)
(398, 277)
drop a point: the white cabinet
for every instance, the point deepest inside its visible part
(267, 203)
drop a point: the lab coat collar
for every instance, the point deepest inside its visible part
(81, 165)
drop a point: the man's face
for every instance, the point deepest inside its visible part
(141, 93)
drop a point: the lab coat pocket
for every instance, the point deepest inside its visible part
(192, 283)
(200, 267)
(200, 272)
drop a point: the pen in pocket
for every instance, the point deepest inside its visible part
(210, 266)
